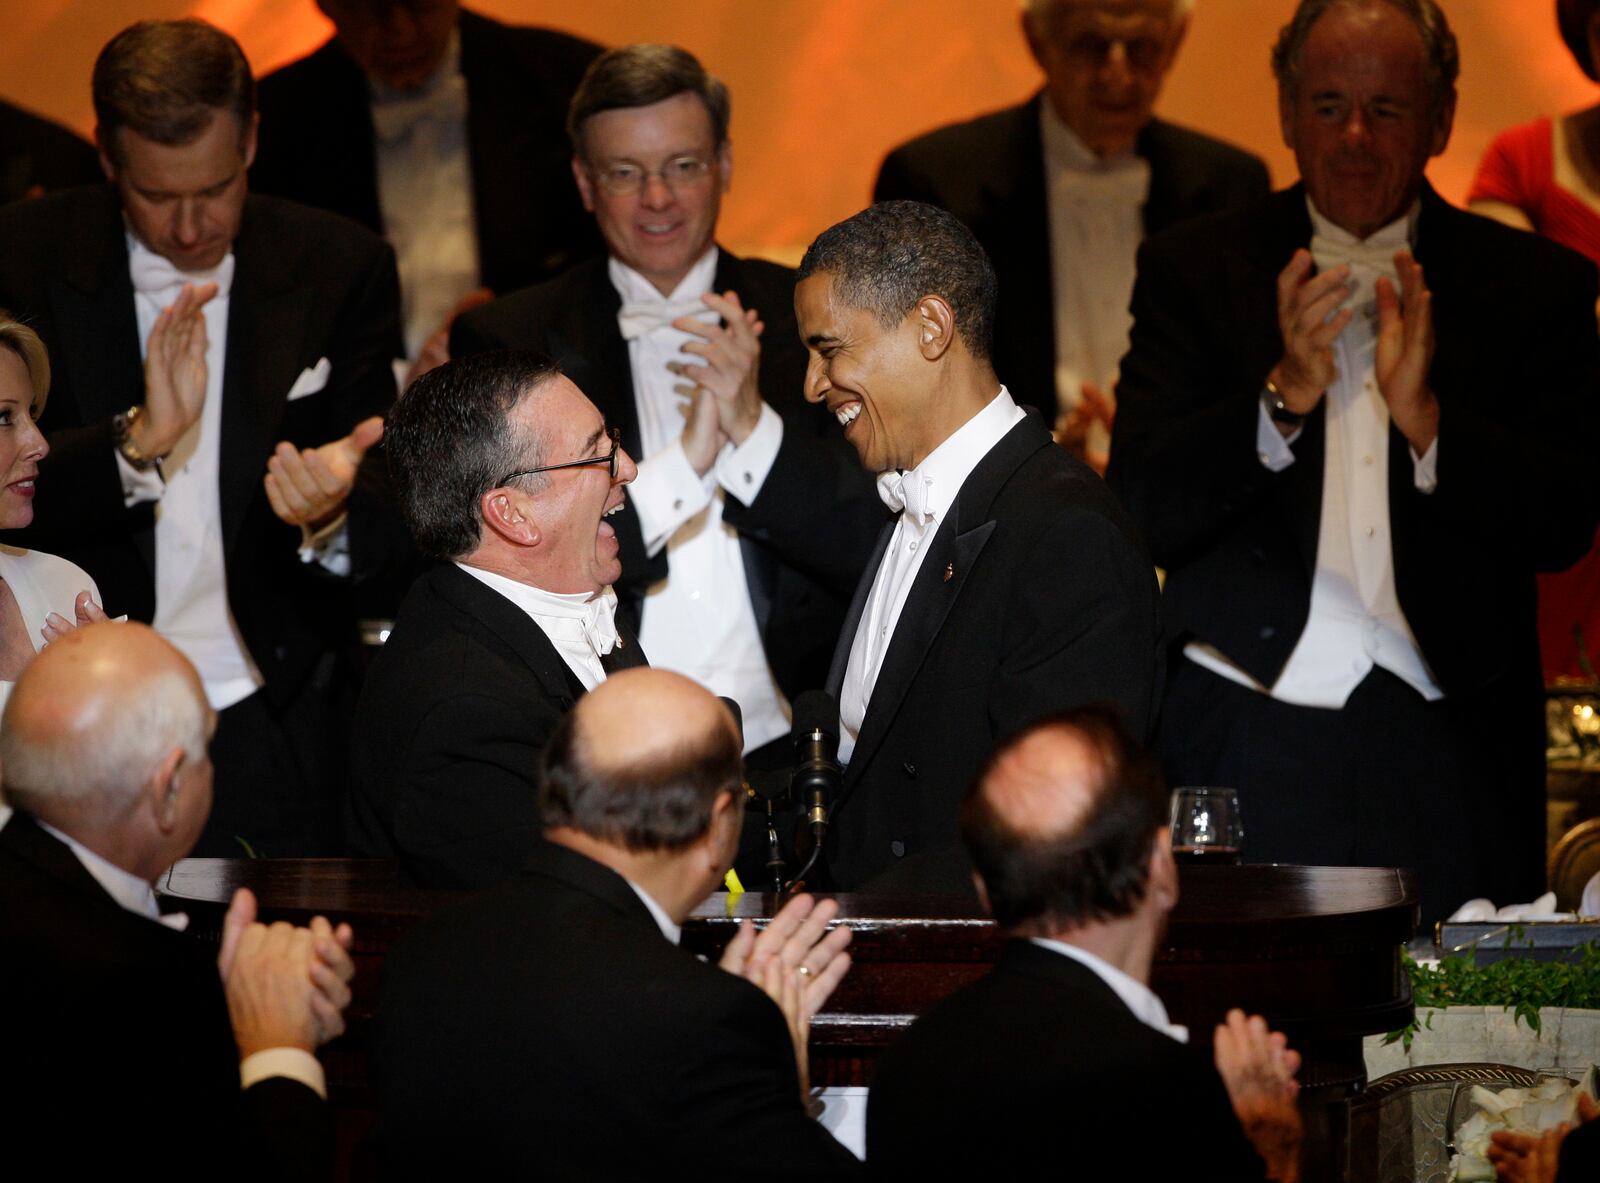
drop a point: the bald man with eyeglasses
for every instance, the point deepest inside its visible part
(693, 355)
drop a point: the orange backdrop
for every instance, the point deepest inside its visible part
(823, 87)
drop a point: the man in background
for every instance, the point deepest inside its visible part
(1061, 190)
(38, 156)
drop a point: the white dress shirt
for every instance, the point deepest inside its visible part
(425, 194)
(1355, 621)
(579, 625)
(697, 621)
(191, 579)
(1096, 220)
(134, 894)
(928, 492)
(1138, 997)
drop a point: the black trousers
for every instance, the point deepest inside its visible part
(1453, 789)
(281, 772)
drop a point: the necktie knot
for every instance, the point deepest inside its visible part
(393, 119)
(907, 493)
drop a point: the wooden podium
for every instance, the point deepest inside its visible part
(1314, 949)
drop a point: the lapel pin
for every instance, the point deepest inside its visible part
(949, 572)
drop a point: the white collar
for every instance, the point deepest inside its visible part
(636, 289)
(1135, 995)
(1395, 235)
(657, 913)
(130, 892)
(535, 601)
(945, 469)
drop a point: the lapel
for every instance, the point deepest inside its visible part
(519, 633)
(955, 551)
(268, 323)
(93, 314)
(858, 605)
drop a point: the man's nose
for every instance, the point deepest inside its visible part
(817, 385)
(655, 193)
(186, 222)
(626, 468)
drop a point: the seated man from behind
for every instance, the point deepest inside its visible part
(1067, 831)
(553, 1028)
(132, 1047)
(506, 471)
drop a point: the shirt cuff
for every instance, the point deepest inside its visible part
(667, 493)
(138, 485)
(1425, 468)
(293, 1062)
(1272, 447)
(328, 547)
(743, 470)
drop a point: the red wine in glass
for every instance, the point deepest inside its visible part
(1207, 856)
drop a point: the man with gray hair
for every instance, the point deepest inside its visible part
(510, 476)
(1351, 471)
(120, 1024)
(1061, 189)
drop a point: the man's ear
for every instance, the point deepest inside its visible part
(162, 790)
(102, 141)
(722, 835)
(580, 174)
(249, 145)
(1163, 889)
(983, 892)
(725, 165)
(507, 516)
(936, 326)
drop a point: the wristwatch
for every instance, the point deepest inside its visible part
(1277, 409)
(122, 430)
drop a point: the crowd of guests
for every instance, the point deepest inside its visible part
(1347, 420)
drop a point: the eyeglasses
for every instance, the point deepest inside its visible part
(624, 180)
(614, 434)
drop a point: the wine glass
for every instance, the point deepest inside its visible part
(1205, 825)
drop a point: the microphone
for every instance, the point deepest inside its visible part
(815, 781)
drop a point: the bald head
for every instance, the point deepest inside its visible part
(93, 720)
(640, 761)
(1060, 822)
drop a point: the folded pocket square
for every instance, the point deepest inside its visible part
(311, 379)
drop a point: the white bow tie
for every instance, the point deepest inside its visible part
(154, 275)
(1375, 257)
(640, 317)
(911, 497)
(599, 622)
(446, 102)
(1127, 182)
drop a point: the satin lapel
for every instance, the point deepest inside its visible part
(520, 634)
(95, 323)
(267, 328)
(858, 605)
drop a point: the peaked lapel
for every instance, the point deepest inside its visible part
(956, 549)
(858, 605)
(267, 327)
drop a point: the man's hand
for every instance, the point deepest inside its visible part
(1257, 1066)
(286, 986)
(797, 961)
(309, 486)
(1074, 427)
(174, 372)
(732, 356)
(1523, 1158)
(703, 436)
(1405, 351)
(1310, 321)
(85, 611)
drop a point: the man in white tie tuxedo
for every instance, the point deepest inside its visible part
(1007, 582)
(1354, 421)
(104, 744)
(692, 354)
(513, 479)
(1061, 189)
(277, 323)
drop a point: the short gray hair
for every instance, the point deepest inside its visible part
(1441, 58)
(100, 781)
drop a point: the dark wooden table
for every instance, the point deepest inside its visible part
(1314, 949)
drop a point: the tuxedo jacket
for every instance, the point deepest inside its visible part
(989, 172)
(120, 1049)
(798, 597)
(1035, 595)
(38, 155)
(1039, 1040)
(452, 722)
(316, 145)
(307, 286)
(1516, 369)
(549, 1030)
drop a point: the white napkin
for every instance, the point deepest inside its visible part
(1543, 908)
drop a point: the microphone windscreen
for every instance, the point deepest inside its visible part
(816, 710)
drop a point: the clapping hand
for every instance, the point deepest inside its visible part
(309, 486)
(85, 611)
(1258, 1066)
(175, 372)
(1405, 351)
(725, 379)
(286, 986)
